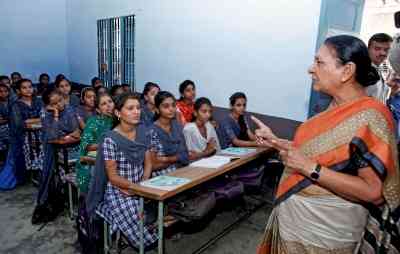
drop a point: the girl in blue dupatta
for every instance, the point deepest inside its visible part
(87, 108)
(4, 115)
(234, 129)
(24, 114)
(148, 107)
(63, 86)
(168, 144)
(127, 160)
(60, 122)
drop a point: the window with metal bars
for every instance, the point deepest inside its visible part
(116, 46)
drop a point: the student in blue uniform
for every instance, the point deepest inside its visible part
(25, 113)
(4, 118)
(234, 128)
(168, 145)
(59, 122)
(127, 160)
(63, 85)
(150, 91)
(87, 108)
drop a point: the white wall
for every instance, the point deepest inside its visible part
(379, 18)
(260, 47)
(33, 37)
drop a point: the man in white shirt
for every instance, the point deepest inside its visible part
(378, 48)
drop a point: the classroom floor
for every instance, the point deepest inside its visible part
(19, 236)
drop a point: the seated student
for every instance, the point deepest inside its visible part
(5, 80)
(96, 82)
(15, 77)
(187, 89)
(44, 83)
(116, 90)
(87, 108)
(63, 85)
(200, 135)
(235, 128)
(4, 115)
(168, 147)
(127, 160)
(150, 90)
(101, 90)
(59, 122)
(95, 127)
(126, 88)
(59, 77)
(24, 113)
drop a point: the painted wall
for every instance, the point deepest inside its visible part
(33, 37)
(379, 18)
(262, 48)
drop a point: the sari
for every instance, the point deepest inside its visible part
(95, 127)
(308, 218)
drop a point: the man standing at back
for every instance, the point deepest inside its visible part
(378, 48)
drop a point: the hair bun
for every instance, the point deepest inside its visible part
(370, 77)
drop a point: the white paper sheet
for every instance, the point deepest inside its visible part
(215, 161)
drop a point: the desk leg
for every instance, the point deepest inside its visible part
(141, 225)
(160, 227)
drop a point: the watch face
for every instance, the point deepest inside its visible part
(314, 175)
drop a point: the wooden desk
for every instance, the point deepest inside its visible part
(197, 176)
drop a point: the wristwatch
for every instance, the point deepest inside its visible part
(315, 173)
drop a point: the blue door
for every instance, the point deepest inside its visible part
(337, 16)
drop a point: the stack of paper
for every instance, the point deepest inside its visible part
(215, 161)
(165, 182)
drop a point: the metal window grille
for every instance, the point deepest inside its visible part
(116, 44)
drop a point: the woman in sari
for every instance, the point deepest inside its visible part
(339, 192)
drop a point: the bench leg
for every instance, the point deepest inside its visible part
(160, 227)
(71, 202)
(141, 224)
(105, 235)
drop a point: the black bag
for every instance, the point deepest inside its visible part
(225, 189)
(90, 237)
(251, 177)
(192, 206)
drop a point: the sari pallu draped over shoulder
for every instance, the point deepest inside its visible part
(364, 127)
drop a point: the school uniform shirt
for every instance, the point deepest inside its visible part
(380, 90)
(197, 142)
(229, 129)
(169, 144)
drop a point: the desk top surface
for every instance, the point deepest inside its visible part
(197, 175)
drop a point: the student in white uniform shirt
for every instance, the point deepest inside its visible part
(378, 48)
(200, 135)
